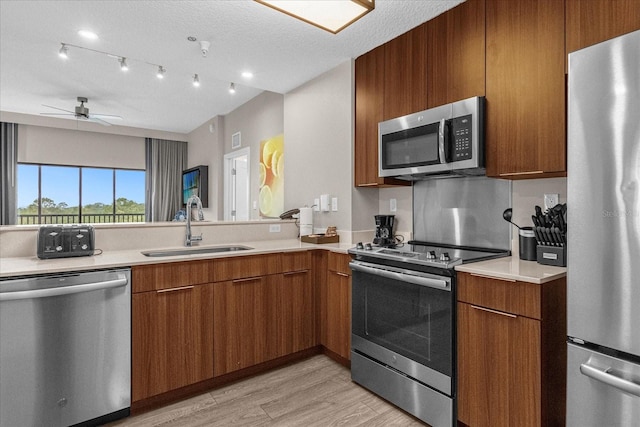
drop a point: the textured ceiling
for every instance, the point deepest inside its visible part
(281, 51)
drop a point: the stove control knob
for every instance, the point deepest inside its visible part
(445, 256)
(431, 255)
(368, 247)
(359, 245)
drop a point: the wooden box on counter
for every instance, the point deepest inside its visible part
(320, 238)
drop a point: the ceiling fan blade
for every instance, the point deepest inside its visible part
(57, 114)
(106, 116)
(56, 108)
(97, 120)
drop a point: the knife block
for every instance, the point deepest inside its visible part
(552, 255)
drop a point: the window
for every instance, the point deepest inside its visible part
(49, 194)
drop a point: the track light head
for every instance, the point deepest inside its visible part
(64, 51)
(123, 64)
(196, 80)
(161, 71)
(232, 88)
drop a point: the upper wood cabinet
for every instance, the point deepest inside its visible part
(405, 74)
(456, 53)
(593, 21)
(525, 89)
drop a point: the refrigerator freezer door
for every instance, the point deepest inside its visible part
(603, 195)
(600, 390)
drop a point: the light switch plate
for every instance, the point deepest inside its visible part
(316, 205)
(334, 204)
(393, 205)
(550, 200)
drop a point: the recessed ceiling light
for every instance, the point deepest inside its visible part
(247, 74)
(87, 34)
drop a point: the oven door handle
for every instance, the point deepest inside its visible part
(403, 276)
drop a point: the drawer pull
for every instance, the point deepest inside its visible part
(183, 288)
(502, 313)
(291, 273)
(520, 173)
(341, 274)
(493, 278)
(248, 279)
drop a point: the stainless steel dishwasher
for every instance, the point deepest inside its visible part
(65, 349)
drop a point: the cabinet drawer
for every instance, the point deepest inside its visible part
(514, 297)
(246, 266)
(146, 278)
(339, 263)
(296, 261)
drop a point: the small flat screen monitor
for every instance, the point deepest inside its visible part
(195, 183)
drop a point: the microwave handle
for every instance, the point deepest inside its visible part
(443, 141)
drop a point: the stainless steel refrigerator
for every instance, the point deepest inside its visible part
(603, 200)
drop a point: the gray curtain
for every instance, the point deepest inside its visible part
(8, 166)
(165, 161)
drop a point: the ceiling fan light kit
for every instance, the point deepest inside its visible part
(332, 16)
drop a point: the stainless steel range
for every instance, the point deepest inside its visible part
(404, 299)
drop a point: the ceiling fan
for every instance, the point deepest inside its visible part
(81, 112)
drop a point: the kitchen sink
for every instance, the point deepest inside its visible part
(197, 250)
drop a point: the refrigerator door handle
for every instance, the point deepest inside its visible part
(607, 376)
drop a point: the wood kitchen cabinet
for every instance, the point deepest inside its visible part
(405, 74)
(511, 352)
(525, 89)
(337, 306)
(456, 54)
(299, 302)
(594, 21)
(172, 333)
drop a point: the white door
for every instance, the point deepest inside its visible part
(236, 185)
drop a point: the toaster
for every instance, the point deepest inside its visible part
(62, 241)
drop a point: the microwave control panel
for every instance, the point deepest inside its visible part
(461, 136)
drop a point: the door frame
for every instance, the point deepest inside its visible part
(228, 161)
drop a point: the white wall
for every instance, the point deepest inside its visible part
(318, 135)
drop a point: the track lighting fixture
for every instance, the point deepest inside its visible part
(196, 80)
(161, 72)
(64, 51)
(232, 88)
(123, 64)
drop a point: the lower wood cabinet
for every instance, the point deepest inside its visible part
(511, 352)
(337, 310)
(246, 323)
(172, 339)
(298, 311)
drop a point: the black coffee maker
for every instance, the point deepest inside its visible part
(384, 231)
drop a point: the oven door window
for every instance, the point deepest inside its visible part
(412, 320)
(411, 147)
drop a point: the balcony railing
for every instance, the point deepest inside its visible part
(75, 219)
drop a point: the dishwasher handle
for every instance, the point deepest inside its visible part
(64, 290)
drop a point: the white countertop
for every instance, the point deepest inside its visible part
(513, 268)
(24, 266)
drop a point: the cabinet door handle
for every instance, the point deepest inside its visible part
(501, 313)
(183, 288)
(493, 278)
(341, 274)
(520, 173)
(248, 279)
(291, 273)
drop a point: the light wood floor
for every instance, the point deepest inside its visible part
(314, 392)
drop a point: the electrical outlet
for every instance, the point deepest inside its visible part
(393, 205)
(334, 204)
(274, 228)
(255, 205)
(316, 205)
(550, 200)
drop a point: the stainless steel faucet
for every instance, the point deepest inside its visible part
(189, 238)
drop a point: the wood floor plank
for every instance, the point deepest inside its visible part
(314, 392)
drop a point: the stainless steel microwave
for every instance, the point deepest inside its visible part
(442, 140)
